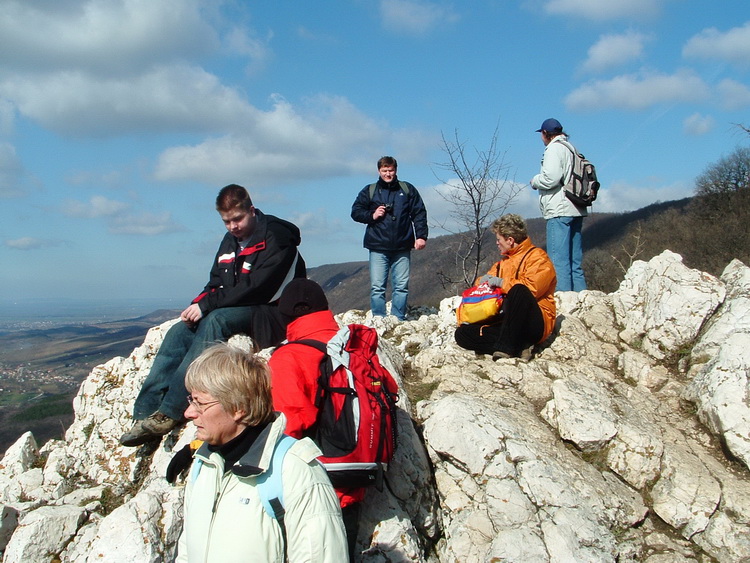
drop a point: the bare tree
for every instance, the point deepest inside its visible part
(482, 193)
(729, 174)
(639, 243)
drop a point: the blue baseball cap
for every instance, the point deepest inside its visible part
(551, 125)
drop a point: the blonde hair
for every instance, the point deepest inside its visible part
(238, 380)
(511, 225)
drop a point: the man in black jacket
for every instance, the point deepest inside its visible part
(256, 259)
(396, 221)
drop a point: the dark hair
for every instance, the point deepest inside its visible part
(387, 161)
(232, 196)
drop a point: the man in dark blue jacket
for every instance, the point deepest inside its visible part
(396, 222)
(256, 259)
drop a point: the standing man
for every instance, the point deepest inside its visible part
(564, 218)
(396, 222)
(256, 259)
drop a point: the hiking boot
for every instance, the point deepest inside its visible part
(527, 354)
(149, 429)
(499, 356)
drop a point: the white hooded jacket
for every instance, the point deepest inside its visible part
(557, 168)
(225, 519)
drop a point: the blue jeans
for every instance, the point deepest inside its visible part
(164, 388)
(565, 249)
(398, 265)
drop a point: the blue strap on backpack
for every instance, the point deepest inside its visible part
(270, 487)
(269, 482)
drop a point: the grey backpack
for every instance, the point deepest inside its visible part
(583, 186)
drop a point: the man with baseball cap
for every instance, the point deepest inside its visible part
(564, 219)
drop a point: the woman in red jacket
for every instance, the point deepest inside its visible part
(528, 313)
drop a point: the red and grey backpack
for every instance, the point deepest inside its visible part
(356, 401)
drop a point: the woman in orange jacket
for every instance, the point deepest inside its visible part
(528, 312)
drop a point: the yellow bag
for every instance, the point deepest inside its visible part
(479, 303)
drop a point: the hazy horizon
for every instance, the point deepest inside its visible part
(31, 313)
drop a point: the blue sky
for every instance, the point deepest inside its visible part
(121, 119)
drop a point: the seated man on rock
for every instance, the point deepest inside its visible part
(256, 259)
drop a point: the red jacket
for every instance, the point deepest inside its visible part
(294, 380)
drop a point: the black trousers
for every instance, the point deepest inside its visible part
(350, 515)
(519, 325)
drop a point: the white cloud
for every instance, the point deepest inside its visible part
(164, 99)
(108, 67)
(414, 16)
(614, 50)
(602, 10)
(734, 95)
(619, 197)
(238, 40)
(442, 214)
(7, 117)
(148, 224)
(102, 36)
(698, 124)
(119, 218)
(11, 172)
(328, 137)
(732, 46)
(97, 206)
(637, 92)
(29, 243)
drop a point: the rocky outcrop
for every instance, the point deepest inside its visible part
(626, 438)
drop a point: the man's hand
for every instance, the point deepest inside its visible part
(379, 213)
(419, 244)
(192, 314)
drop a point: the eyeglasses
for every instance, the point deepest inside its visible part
(200, 407)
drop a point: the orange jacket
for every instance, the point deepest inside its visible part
(535, 272)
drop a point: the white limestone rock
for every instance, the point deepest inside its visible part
(686, 494)
(8, 524)
(721, 375)
(662, 304)
(132, 532)
(43, 533)
(503, 456)
(20, 456)
(642, 370)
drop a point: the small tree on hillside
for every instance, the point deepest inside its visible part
(730, 174)
(483, 192)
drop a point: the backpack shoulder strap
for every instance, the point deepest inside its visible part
(270, 487)
(404, 188)
(317, 344)
(269, 482)
(569, 146)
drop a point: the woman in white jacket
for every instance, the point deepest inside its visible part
(564, 219)
(224, 518)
